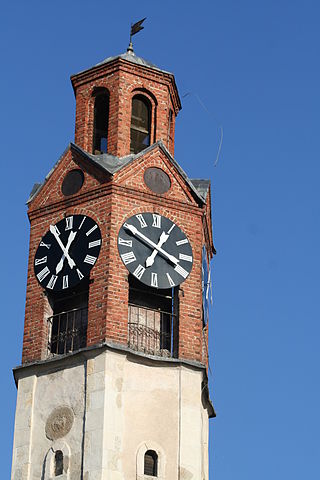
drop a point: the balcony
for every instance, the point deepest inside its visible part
(67, 331)
(153, 332)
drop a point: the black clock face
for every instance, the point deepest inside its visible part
(155, 250)
(67, 252)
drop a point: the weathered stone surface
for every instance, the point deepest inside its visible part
(59, 423)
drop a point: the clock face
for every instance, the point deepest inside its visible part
(67, 252)
(155, 250)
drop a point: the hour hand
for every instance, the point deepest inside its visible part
(163, 238)
(149, 242)
(61, 262)
(64, 250)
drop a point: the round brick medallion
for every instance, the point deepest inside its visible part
(157, 180)
(59, 423)
(72, 182)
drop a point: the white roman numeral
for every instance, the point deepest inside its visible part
(43, 274)
(95, 243)
(156, 220)
(128, 257)
(127, 243)
(187, 258)
(171, 228)
(69, 223)
(79, 274)
(82, 222)
(181, 242)
(181, 271)
(92, 229)
(65, 281)
(139, 271)
(38, 261)
(42, 244)
(90, 259)
(154, 279)
(52, 281)
(170, 280)
(141, 220)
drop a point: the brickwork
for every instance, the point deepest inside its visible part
(109, 201)
(123, 80)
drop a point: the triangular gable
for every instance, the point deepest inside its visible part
(103, 167)
(49, 191)
(157, 155)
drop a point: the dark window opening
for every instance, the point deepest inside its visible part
(100, 123)
(151, 463)
(140, 124)
(58, 463)
(68, 323)
(153, 319)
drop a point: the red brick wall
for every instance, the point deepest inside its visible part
(109, 201)
(123, 80)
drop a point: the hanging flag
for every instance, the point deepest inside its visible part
(136, 27)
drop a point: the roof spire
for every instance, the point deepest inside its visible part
(135, 28)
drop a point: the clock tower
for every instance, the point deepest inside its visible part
(113, 380)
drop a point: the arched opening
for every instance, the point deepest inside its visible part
(100, 121)
(58, 463)
(140, 124)
(151, 463)
(153, 318)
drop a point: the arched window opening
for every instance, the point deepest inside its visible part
(153, 319)
(151, 463)
(100, 122)
(68, 321)
(58, 463)
(140, 124)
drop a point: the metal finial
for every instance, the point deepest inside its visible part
(130, 48)
(135, 28)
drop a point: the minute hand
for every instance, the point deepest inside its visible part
(64, 251)
(136, 232)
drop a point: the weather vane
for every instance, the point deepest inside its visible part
(135, 28)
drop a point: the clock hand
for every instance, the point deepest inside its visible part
(136, 232)
(163, 238)
(56, 236)
(61, 262)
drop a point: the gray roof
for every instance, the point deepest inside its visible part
(202, 185)
(111, 164)
(130, 57)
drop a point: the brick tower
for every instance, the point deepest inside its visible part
(113, 380)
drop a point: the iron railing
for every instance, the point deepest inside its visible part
(152, 331)
(67, 331)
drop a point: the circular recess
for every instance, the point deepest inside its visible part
(59, 423)
(157, 180)
(72, 182)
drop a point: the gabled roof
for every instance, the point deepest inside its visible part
(112, 164)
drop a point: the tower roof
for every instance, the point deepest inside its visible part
(129, 56)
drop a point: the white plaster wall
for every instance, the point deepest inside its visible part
(38, 396)
(123, 404)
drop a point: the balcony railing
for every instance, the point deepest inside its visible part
(67, 331)
(152, 331)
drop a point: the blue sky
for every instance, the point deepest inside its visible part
(251, 67)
